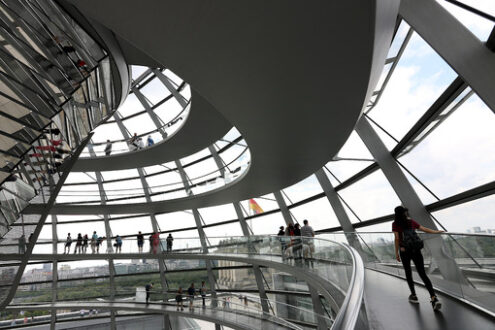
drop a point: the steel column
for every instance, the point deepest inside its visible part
(339, 210)
(408, 197)
(161, 263)
(53, 318)
(283, 207)
(46, 210)
(458, 46)
(256, 269)
(202, 235)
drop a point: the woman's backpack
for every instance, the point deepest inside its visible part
(411, 240)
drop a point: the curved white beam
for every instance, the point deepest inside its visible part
(291, 76)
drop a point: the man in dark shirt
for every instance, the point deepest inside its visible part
(148, 287)
(283, 242)
(297, 242)
(190, 293)
(140, 242)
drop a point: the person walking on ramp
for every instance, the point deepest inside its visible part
(408, 247)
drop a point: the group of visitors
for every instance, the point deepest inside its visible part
(82, 243)
(136, 142)
(296, 242)
(95, 243)
(154, 240)
(191, 293)
(23, 244)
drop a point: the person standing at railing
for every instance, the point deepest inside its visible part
(118, 244)
(94, 241)
(289, 231)
(108, 148)
(148, 288)
(22, 244)
(202, 291)
(170, 242)
(99, 241)
(297, 243)
(178, 299)
(308, 234)
(408, 247)
(78, 246)
(140, 242)
(155, 242)
(85, 243)
(68, 243)
(190, 293)
(149, 141)
(283, 243)
(133, 142)
(140, 143)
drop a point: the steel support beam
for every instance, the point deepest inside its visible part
(256, 269)
(409, 198)
(283, 207)
(202, 236)
(53, 317)
(288, 219)
(165, 81)
(458, 46)
(161, 263)
(217, 159)
(46, 211)
(149, 110)
(339, 210)
(318, 307)
(108, 234)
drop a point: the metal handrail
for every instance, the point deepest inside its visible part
(351, 307)
(448, 233)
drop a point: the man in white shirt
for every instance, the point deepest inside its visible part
(309, 246)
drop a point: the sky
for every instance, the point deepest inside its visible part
(455, 157)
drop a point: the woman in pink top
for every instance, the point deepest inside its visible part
(408, 247)
(156, 242)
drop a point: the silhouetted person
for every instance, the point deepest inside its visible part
(148, 288)
(140, 242)
(85, 243)
(170, 242)
(283, 242)
(149, 141)
(133, 142)
(297, 242)
(178, 299)
(68, 243)
(108, 148)
(78, 247)
(22, 244)
(118, 244)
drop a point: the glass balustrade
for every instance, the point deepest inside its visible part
(331, 262)
(473, 280)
